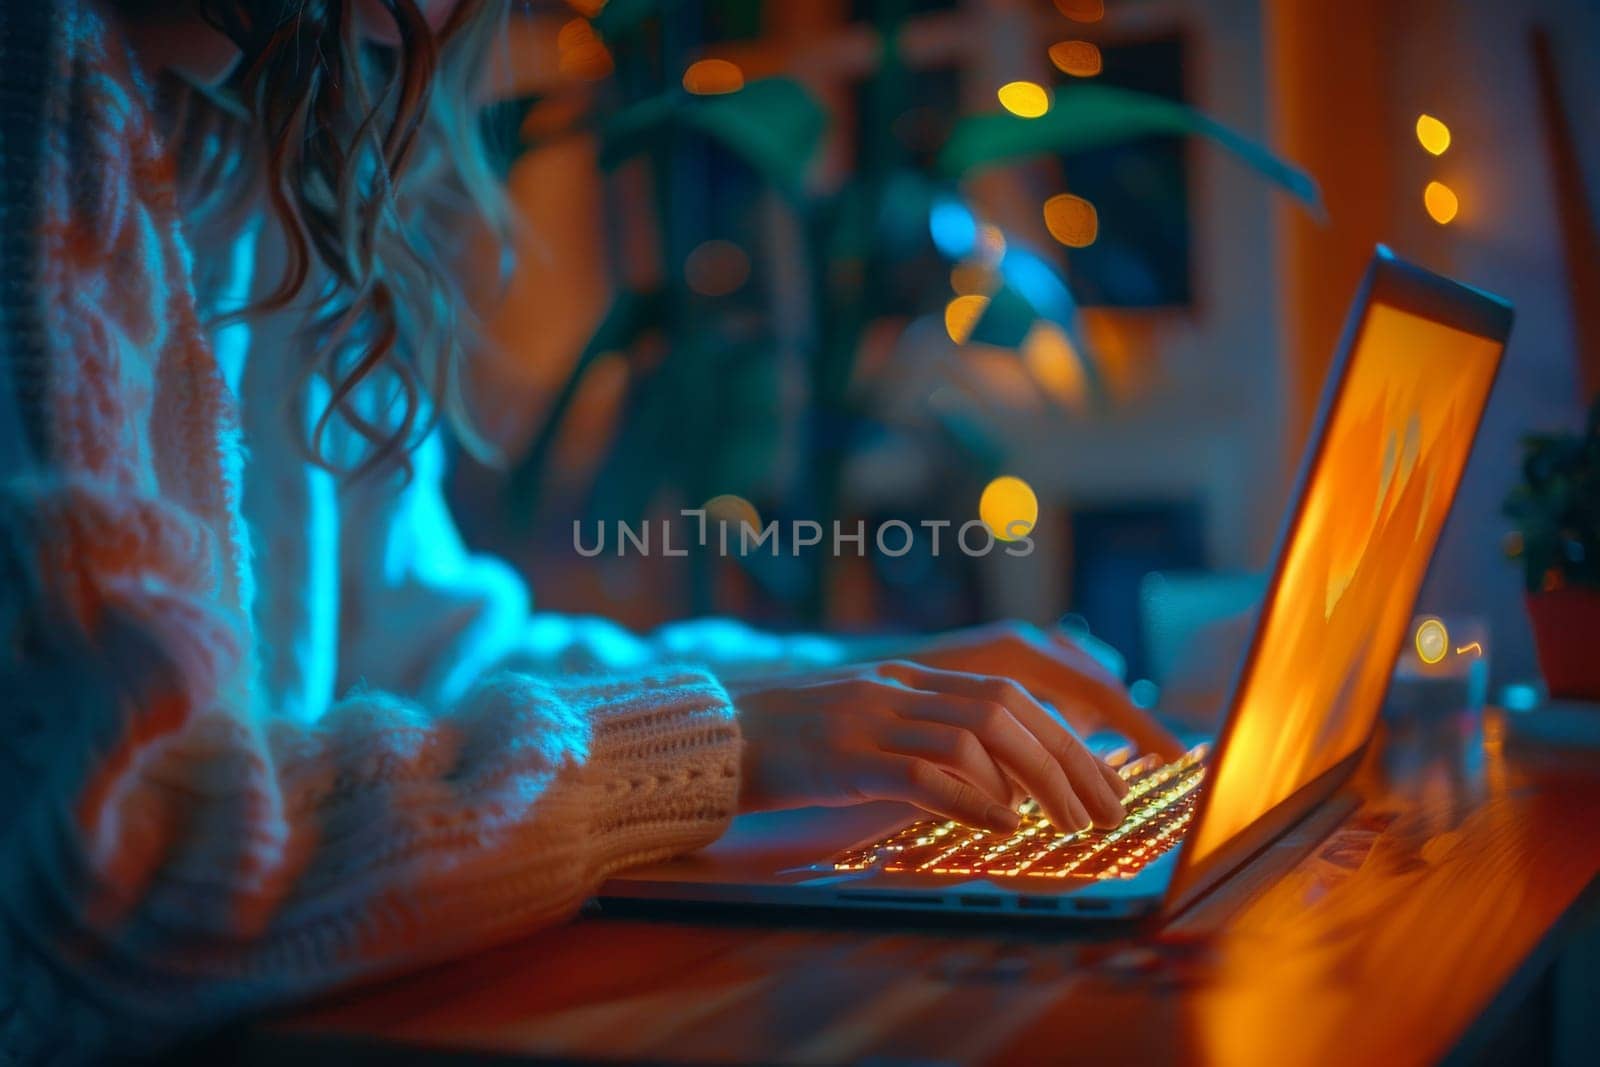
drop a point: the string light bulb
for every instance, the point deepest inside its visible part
(1009, 507)
(1072, 220)
(961, 316)
(1441, 202)
(713, 77)
(1082, 10)
(1081, 59)
(1027, 100)
(1433, 641)
(1433, 135)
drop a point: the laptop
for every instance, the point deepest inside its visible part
(1401, 407)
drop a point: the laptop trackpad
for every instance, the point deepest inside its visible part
(775, 847)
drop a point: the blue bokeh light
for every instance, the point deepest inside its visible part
(954, 230)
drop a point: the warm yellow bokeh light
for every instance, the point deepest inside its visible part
(1433, 641)
(1072, 220)
(1081, 59)
(1009, 508)
(1053, 360)
(969, 277)
(730, 507)
(713, 77)
(1026, 100)
(1082, 10)
(1433, 134)
(961, 316)
(1441, 202)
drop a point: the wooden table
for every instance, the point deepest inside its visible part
(1412, 921)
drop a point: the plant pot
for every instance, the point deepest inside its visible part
(1566, 632)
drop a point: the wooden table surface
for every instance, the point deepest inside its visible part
(1382, 931)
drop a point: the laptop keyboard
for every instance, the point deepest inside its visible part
(1160, 804)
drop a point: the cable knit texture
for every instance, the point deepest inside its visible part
(244, 834)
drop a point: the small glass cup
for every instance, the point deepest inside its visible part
(1435, 706)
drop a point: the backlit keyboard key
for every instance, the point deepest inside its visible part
(1160, 805)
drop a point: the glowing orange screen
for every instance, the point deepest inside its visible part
(1395, 448)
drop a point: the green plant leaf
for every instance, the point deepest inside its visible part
(774, 125)
(1092, 116)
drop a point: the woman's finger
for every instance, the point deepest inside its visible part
(1118, 784)
(1087, 687)
(889, 776)
(1071, 791)
(956, 750)
(1101, 800)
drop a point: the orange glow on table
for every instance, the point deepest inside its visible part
(713, 77)
(1441, 202)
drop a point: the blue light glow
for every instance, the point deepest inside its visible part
(1039, 284)
(1520, 697)
(954, 229)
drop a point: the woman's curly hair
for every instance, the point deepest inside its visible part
(371, 159)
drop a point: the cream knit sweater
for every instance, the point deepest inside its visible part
(374, 756)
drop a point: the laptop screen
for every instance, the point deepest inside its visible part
(1395, 442)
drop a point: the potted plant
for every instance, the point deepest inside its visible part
(858, 246)
(1557, 512)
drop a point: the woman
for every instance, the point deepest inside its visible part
(273, 728)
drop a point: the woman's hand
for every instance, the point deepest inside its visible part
(1055, 669)
(963, 745)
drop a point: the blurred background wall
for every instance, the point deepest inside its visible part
(1208, 371)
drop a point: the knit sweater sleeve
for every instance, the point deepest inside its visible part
(176, 853)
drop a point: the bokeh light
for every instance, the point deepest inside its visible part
(1082, 10)
(1026, 100)
(1081, 59)
(713, 77)
(961, 316)
(716, 268)
(580, 53)
(1055, 364)
(970, 277)
(732, 508)
(1433, 641)
(1441, 202)
(1007, 502)
(1072, 220)
(1432, 134)
(991, 246)
(953, 228)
